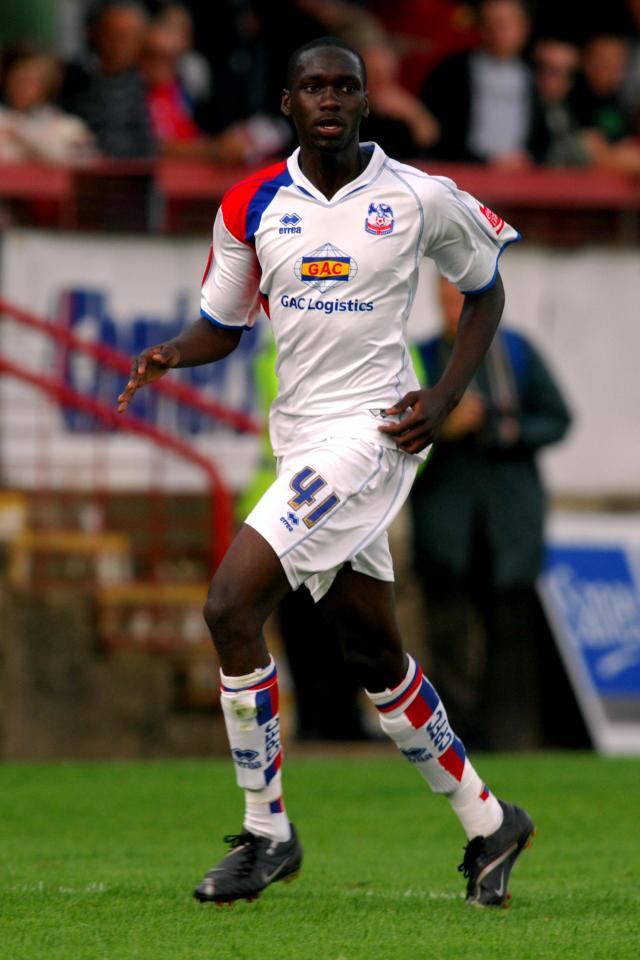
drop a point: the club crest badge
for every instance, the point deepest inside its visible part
(379, 220)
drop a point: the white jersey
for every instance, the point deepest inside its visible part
(337, 279)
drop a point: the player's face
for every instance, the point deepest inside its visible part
(327, 100)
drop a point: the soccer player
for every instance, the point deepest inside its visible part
(328, 245)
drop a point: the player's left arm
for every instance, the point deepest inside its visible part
(426, 410)
(465, 239)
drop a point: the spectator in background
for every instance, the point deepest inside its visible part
(32, 127)
(600, 106)
(556, 138)
(170, 109)
(598, 98)
(478, 512)
(107, 91)
(483, 98)
(398, 120)
(193, 69)
(425, 32)
(231, 36)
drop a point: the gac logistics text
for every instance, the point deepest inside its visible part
(326, 306)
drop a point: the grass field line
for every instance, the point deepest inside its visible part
(41, 888)
(407, 894)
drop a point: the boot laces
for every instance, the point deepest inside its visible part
(471, 853)
(245, 860)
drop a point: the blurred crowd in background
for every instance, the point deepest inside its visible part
(495, 82)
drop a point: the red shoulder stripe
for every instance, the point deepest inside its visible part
(236, 201)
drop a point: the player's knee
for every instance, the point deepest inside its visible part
(228, 621)
(361, 666)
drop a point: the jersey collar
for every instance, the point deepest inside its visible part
(369, 174)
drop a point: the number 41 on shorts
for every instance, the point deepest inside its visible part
(307, 484)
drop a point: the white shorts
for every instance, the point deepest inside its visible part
(332, 504)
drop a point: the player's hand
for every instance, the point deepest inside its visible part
(425, 412)
(152, 364)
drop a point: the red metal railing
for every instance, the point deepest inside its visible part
(221, 512)
(220, 499)
(120, 362)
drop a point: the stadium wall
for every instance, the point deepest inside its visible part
(579, 306)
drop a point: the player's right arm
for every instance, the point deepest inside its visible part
(229, 303)
(199, 343)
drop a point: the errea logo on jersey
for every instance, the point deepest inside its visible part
(325, 267)
(290, 223)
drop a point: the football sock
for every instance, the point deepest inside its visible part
(413, 715)
(252, 719)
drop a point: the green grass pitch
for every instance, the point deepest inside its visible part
(98, 861)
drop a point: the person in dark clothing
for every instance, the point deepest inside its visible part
(107, 91)
(598, 98)
(556, 138)
(483, 98)
(478, 514)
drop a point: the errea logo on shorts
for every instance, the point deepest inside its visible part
(290, 521)
(325, 267)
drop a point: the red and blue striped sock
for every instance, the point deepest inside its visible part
(413, 715)
(252, 718)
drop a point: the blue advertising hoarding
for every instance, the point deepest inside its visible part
(590, 588)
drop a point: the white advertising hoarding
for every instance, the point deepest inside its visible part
(127, 293)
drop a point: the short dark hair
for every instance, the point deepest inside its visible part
(320, 43)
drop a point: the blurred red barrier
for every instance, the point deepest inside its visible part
(181, 196)
(221, 512)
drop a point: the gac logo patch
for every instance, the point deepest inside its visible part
(494, 219)
(325, 267)
(379, 220)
